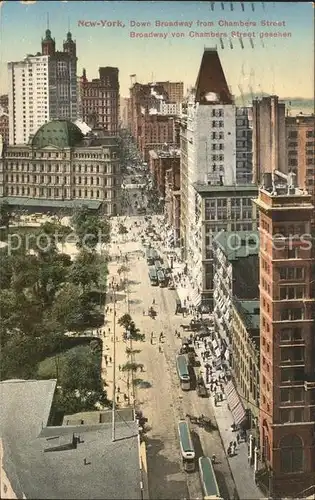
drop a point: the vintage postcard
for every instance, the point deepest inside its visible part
(157, 255)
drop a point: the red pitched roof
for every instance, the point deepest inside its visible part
(211, 79)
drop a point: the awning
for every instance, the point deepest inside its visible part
(235, 403)
(217, 352)
(239, 414)
(195, 298)
(214, 344)
(227, 354)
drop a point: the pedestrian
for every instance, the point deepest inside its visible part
(117, 398)
(119, 367)
(234, 444)
(110, 359)
(160, 348)
(153, 302)
(238, 438)
(213, 458)
(229, 451)
(233, 449)
(118, 389)
(151, 340)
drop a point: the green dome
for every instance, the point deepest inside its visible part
(58, 133)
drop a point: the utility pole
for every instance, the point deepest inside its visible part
(114, 366)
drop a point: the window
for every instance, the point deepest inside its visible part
(284, 395)
(289, 415)
(291, 314)
(292, 374)
(293, 134)
(291, 354)
(291, 453)
(290, 335)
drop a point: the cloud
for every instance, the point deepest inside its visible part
(28, 2)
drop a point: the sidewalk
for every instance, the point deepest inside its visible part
(243, 474)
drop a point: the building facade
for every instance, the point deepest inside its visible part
(207, 143)
(100, 100)
(244, 145)
(217, 208)
(42, 88)
(160, 161)
(235, 274)
(300, 137)
(287, 346)
(153, 110)
(124, 112)
(60, 164)
(269, 144)
(245, 365)
(4, 118)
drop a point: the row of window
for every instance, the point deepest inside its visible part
(223, 202)
(88, 169)
(43, 179)
(60, 193)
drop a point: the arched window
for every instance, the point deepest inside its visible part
(291, 450)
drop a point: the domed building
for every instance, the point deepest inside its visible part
(62, 168)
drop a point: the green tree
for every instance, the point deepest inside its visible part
(5, 214)
(85, 269)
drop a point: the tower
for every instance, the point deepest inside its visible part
(48, 44)
(287, 340)
(69, 46)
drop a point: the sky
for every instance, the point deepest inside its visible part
(281, 66)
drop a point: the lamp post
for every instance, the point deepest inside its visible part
(114, 365)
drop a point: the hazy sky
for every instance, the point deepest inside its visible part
(283, 66)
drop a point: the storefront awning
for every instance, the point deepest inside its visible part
(196, 298)
(235, 403)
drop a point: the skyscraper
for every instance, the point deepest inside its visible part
(42, 87)
(287, 342)
(100, 100)
(268, 137)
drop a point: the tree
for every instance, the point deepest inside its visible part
(131, 331)
(5, 214)
(84, 271)
(90, 229)
(122, 229)
(132, 367)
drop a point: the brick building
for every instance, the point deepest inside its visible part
(300, 137)
(100, 100)
(149, 121)
(287, 342)
(160, 161)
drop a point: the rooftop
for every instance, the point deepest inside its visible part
(238, 245)
(249, 311)
(204, 188)
(58, 133)
(211, 86)
(51, 462)
(169, 153)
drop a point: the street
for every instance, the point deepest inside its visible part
(159, 395)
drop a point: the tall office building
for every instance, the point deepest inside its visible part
(300, 146)
(207, 140)
(287, 341)
(269, 152)
(100, 100)
(42, 87)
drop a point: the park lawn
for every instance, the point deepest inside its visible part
(48, 367)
